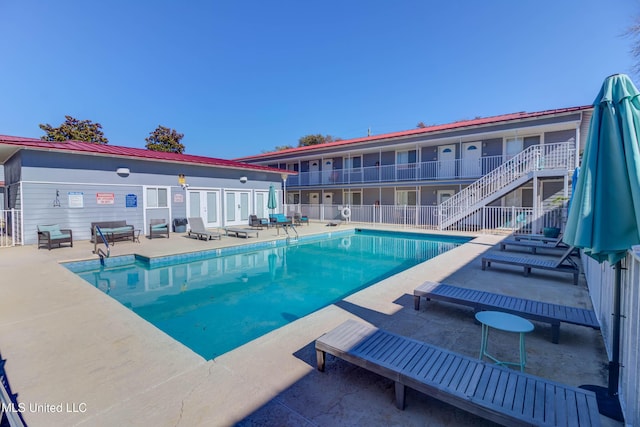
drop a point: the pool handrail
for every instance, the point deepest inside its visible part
(100, 252)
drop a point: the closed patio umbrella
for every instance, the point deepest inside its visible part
(604, 217)
(272, 201)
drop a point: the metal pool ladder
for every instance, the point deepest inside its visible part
(99, 251)
(286, 230)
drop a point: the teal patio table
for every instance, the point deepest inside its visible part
(504, 322)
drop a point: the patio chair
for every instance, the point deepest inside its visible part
(280, 219)
(256, 222)
(299, 219)
(197, 229)
(564, 264)
(50, 235)
(158, 227)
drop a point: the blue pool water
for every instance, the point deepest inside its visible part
(213, 302)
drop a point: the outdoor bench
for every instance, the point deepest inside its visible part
(113, 230)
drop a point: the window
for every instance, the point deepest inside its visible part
(406, 197)
(406, 157)
(353, 162)
(353, 198)
(157, 197)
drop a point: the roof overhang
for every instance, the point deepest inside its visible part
(9, 146)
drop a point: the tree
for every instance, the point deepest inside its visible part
(634, 33)
(421, 125)
(282, 147)
(307, 140)
(166, 140)
(74, 129)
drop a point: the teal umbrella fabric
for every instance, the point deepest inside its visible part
(604, 219)
(272, 201)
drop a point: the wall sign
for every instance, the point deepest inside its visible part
(178, 198)
(131, 201)
(105, 198)
(76, 199)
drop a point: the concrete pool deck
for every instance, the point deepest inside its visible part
(69, 347)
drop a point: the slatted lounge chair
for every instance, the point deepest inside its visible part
(490, 391)
(196, 228)
(244, 232)
(552, 314)
(534, 245)
(538, 237)
(564, 264)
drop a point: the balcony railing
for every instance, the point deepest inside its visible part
(434, 170)
(487, 220)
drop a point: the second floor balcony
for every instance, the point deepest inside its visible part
(552, 156)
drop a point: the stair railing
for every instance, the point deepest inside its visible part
(535, 157)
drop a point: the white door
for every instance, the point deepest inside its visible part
(328, 199)
(206, 205)
(314, 172)
(471, 155)
(446, 161)
(261, 210)
(444, 195)
(314, 198)
(327, 171)
(237, 207)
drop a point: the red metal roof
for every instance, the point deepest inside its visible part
(429, 129)
(80, 147)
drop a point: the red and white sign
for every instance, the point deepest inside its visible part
(105, 198)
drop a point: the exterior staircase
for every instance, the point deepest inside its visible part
(538, 160)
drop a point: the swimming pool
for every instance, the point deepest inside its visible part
(215, 301)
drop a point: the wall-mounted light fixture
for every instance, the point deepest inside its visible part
(123, 171)
(243, 179)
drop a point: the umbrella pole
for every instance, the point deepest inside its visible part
(614, 364)
(607, 397)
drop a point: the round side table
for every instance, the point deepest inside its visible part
(504, 322)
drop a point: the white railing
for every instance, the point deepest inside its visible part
(600, 278)
(432, 170)
(10, 228)
(486, 220)
(518, 168)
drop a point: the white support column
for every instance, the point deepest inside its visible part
(284, 177)
(536, 205)
(577, 155)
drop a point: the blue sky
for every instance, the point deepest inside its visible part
(241, 77)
